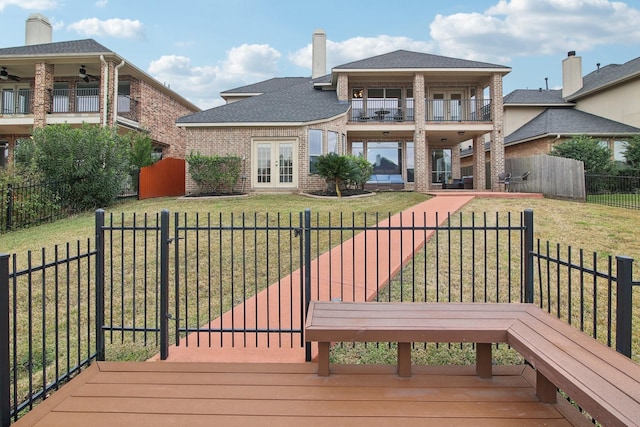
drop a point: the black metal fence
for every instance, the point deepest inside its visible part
(245, 280)
(614, 190)
(30, 203)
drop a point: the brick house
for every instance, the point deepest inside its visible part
(405, 111)
(78, 82)
(604, 104)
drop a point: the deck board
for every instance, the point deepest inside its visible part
(194, 394)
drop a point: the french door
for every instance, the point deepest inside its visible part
(447, 106)
(275, 164)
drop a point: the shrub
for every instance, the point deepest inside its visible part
(596, 157)
(337, 170)
(214, 173)
(365, 170)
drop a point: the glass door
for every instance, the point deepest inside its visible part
(275, 164)
(446, 106)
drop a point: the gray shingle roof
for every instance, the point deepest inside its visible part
(535, 97)
(271, 85)
(606, 76)
(407, 59)
(294, 104)
(568, 121)
(86, 46)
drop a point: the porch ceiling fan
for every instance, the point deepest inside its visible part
(82, 73)
(4, 75)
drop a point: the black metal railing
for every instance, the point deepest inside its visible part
(614, 190)
(382, 110)
(31, 203)
(127, 107)
(199, 280)
(79, 100)
(458, 110)
(18, 101)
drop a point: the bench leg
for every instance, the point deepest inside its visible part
(545, 389)
(404, 359)
(483, 360)
(323, 359)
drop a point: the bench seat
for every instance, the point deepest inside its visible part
(603, 382)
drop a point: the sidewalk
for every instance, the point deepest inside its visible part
(279, 347)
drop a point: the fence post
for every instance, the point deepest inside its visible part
(100, 346)
(624, 304)
(307, 276)
(9, 206)
(164, 284)
(5, 370)
(528, 256)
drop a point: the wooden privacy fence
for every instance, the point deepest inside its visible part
(555, 177)
(164, 178)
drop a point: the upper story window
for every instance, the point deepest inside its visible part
(124, 100)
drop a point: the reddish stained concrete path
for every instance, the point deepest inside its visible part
(283, 299)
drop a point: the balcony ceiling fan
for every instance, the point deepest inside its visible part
(4, 75)
(82, 73)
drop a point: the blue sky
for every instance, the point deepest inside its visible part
(202, 47)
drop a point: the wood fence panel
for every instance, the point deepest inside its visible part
(555, 177)
(164, 178)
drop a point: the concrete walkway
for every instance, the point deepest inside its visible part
(281, 303)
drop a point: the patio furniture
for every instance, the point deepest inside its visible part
(519, 180)
(504, 179)
(468, 182)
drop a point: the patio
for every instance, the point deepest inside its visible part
(234, 394)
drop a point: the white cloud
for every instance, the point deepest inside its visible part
(535, 27)
(118, 28)
(202, 84)
(102, 3)
(29, 4)
(358, 48)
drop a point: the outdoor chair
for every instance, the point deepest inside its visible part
(519, 180)
(504, 179)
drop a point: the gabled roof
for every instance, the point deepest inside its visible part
(86, 46)
(538, 97)
(607, 76)
(568, 121)
(295, 104)
(403, 59)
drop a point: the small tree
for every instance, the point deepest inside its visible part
(365, 170)
(337, 170)
(632, 152)
(596, 157)
(141, 150)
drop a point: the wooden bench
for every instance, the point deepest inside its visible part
(603, 382)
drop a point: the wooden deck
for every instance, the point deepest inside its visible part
(235, 394)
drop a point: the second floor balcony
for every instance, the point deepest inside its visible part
(436, 110)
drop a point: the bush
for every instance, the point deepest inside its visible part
(337, 170)
(632, 152)
(214, 174)
(92, 159)
(596, 157)
(365, 170)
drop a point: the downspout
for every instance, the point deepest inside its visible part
(115, 89)
(105, 87)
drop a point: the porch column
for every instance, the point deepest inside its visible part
(421, 171)
(42, 87)
(479, 168)
(342, 88)
(107, 81)
(497, 134)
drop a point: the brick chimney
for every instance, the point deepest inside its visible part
(571, 74)
(319, 54)
(38, 30)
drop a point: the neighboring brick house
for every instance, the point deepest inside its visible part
(405, 111)
(604, 104)
(81, 81)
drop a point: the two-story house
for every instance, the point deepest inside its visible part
(78, 82)
(405, 111)
(604, 104)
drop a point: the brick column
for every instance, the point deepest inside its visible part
(109, 70)
(421, 166)
(42, 87)
(343, 88)
(479, 168)
(497, 134)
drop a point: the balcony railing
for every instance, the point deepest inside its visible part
(458, 110)
(127, 107)
(16, 101)
(437, 110)
(85, 100)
